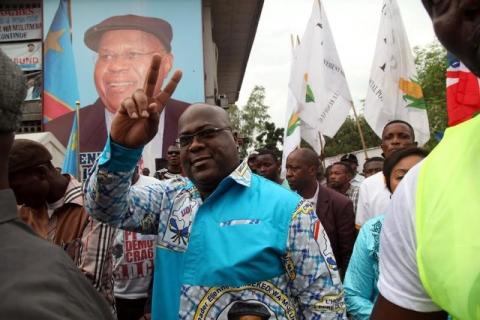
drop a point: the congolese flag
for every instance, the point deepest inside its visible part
(60, 89)
(70, 163)
(463, 92)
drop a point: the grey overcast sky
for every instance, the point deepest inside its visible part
(354, 25)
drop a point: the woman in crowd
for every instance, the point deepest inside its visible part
(362, 274)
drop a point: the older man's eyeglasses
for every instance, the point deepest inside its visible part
(205, 134)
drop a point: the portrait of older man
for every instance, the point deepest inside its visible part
(124, 45)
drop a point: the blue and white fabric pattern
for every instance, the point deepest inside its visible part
(249, 240)
(361, 277)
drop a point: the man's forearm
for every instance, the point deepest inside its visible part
(106, 195)
(106, 188)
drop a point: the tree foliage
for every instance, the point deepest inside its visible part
(431, 63)
(234, 114)
(347, 138)
(250, 121)
(271, 138)
(254, 113)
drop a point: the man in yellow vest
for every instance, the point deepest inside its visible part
(429, 248)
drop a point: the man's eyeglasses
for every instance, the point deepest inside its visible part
(205, 134)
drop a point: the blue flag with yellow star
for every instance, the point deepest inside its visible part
(60, 83)
(70, 163)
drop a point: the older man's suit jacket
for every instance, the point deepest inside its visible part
(335, 212)
(93, 130)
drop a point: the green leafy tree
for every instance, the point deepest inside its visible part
(431, 63)
(234, 114)
(249, 121)
(347, 138)
(254, 113)
(271, 138)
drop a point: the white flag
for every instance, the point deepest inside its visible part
(295, 128)
(291, 134)
(393, 90)
(317, 80)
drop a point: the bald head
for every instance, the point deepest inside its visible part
(302, 167)
(212, 114)
(306, 156)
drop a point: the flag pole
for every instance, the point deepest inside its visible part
(360, 132)
(320, 7)
(69, 10)
(322, 151)
(77, 111)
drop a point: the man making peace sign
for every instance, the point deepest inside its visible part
(224, 234)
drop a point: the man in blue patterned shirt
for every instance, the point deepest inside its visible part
(223, 234)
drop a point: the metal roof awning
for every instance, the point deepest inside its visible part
(234, 27)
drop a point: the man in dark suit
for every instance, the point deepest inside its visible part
(125, 46)
(334, 210)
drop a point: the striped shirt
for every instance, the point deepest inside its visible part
(87, 241)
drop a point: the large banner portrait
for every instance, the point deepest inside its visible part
(105, 59)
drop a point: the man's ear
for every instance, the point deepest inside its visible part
(166, 65)
(235, 138)
(415, 144)
(383, 147)
(42, 171)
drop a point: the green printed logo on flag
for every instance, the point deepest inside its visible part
(413, 93)
(309, 96)
(293, 123)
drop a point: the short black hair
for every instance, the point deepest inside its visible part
(402, 122)
(273, 153)
(372, 159)
(395, 158)
(252, 155)
(346, 165)
(243, 308)
(350, 157)
(327, 170)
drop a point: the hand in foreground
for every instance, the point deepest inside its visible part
(136, 121)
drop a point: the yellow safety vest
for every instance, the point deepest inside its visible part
(448, 222)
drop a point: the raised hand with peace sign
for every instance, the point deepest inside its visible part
(136, 121)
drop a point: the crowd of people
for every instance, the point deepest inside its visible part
(213, 236)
